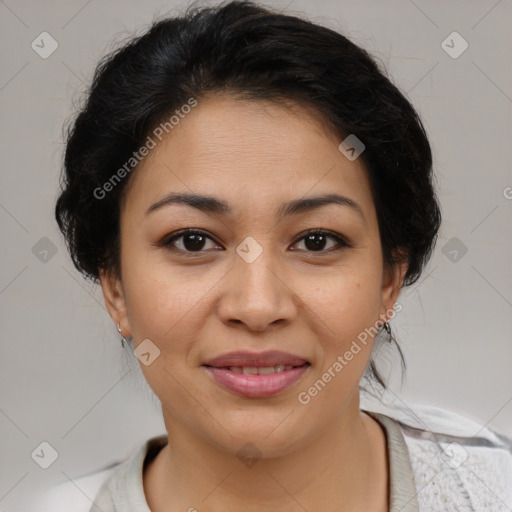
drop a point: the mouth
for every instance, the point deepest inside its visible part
(258, 370)
(253, 375)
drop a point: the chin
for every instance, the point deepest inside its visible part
(274, 433)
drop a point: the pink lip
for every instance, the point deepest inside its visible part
(257, 386)
(255, 359)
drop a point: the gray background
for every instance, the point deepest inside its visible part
(63, 376)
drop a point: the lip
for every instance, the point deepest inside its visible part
(255, 359)
(256, 386)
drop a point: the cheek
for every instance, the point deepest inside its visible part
(158, 305)
(345, 313)
(349, 300)
(153, 297)
(166, 303)
(346, 307)
(163, 308)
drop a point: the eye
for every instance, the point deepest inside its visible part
(194, 241)
(191, 241)
(315, 240)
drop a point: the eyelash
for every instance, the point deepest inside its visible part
(169, 240)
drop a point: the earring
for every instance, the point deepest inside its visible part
(123, 339)
(388, 330)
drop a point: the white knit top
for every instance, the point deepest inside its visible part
(440, 461)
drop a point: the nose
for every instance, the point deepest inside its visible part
(257, 293)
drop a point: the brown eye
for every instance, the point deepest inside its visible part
(190, 241)
(316, 241)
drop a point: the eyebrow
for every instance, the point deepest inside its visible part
(209, 204)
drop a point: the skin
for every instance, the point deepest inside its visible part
(327, 455)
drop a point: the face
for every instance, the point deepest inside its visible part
(249, 278)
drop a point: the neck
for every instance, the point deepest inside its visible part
(343, 468)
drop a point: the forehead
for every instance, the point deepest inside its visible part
(239, 149)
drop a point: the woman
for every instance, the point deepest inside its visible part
(252, 194)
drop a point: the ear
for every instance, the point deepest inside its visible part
(114, 300)
(392, 282)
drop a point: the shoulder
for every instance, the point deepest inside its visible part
(457, 462)
(100, 490)
(76, 495)
(106, 489)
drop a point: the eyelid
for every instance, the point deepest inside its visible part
(340, 239)
(326, 232)
(172, 237)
